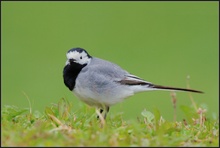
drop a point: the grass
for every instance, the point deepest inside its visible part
(60, 126)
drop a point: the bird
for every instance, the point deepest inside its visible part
(100, 83)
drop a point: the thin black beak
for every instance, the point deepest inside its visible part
(72, 60)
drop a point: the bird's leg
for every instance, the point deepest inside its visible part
(100, 117)
(106, 111)
(103, 116)
(101, 110)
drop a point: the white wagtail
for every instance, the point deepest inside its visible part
(101, 83)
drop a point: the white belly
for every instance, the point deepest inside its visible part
(98, 96)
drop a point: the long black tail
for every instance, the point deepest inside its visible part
(175, 88)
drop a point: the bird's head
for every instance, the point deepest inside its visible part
(78, 55)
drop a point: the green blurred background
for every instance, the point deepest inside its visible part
(162, 42)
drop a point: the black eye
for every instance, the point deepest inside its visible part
(81, 57)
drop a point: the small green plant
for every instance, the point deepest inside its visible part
(60, 126)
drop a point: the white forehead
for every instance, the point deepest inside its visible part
(75, 54)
